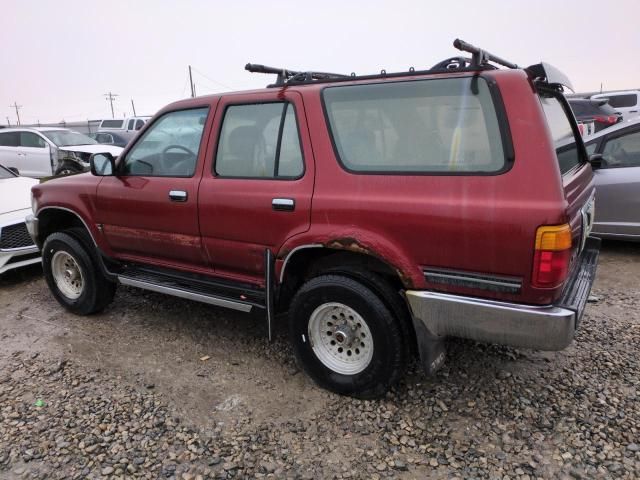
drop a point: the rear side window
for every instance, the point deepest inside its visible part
(112, 123)
(562, 134)
(623, 101)
(428, 126)
(9, 139)
(259, 141)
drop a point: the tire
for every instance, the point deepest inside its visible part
(73, 275)
(368, 352)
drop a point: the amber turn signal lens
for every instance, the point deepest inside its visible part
(553, 238)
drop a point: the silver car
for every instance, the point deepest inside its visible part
(618, 181)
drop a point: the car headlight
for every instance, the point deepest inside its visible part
(34, 204)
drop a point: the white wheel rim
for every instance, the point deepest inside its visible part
(67, 275)
(340, 338)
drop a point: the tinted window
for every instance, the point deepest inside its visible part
(170, 147)
(447, 125)
(259, 141)
(561, 133)
(623, 151)
(139, 124)
(622, 101)
(9, 139)
(587, 107)
(131, 122)
(112, 124)
(31, 140)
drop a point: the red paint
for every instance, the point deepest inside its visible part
(484, 224)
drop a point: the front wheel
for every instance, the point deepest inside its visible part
(73, 276)
(345, 337)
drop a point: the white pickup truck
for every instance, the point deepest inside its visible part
(129, 124)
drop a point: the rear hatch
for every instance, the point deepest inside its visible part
(577, 176)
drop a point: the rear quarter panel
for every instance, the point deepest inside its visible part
(474, 223)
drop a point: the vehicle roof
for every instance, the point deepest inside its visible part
(616, 128)
(34, 129)
(617, 92)
(311, 86)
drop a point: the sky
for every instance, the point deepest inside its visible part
(58, 58)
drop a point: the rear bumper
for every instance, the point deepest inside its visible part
(549, 327)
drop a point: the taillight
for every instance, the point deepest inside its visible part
(608, 119)
(552, 256)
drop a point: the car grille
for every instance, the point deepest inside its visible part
(15, 236)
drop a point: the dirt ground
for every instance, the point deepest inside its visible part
(214, 369)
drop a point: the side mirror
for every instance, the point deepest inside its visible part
(102, 164)
(596, 160)
(14, 170)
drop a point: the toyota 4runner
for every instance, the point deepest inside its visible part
(383, 212)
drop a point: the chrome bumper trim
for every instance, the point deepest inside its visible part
(527, 326)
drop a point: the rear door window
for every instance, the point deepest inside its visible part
(569, 156)
(260, 141)
(445, 126)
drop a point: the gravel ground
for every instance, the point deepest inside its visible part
(159, 387)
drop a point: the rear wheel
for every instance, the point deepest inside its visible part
(73, 275)
(345, 337)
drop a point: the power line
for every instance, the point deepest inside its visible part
(111, 97)
(17, 107)
(212, 80)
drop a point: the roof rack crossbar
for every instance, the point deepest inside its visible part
(285, 75)
(481, 57)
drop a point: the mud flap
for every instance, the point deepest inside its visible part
(269, 290)
(430, 347)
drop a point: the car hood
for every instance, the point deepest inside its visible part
(99, 148)
(15, 193)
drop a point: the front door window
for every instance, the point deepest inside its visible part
(170, 147)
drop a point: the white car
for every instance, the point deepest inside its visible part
(42, 152)
(16, 246)
(626, 102)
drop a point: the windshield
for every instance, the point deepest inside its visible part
(65, 138)
(4, 173)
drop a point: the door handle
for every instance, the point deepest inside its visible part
(178, 196)
(20, 154)
(283, 204)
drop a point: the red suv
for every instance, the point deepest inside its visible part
(383, 212)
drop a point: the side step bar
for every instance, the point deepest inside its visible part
(183, 293)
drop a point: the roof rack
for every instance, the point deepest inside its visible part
(479, 61)
(286, 76)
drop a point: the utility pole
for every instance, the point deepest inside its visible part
(17, 107)
(111, 97)
(193, 88)
(134, 108)
(8, 122)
